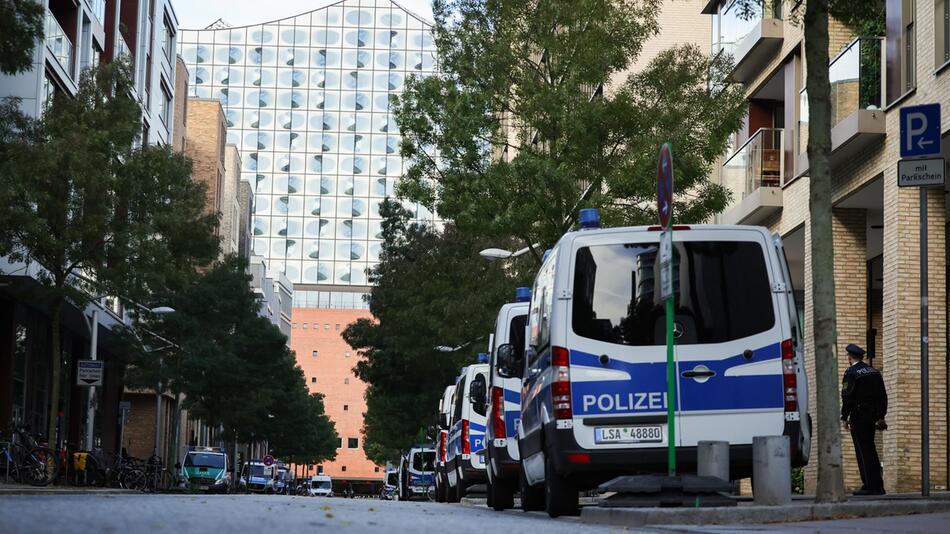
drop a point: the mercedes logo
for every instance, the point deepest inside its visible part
(677, 329)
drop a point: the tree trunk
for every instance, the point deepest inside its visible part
(830, 482)
(56, 364)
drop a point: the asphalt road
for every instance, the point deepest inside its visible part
(183, 514)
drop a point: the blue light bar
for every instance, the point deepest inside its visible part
(589, 218)
(482, 357)
(523, 294)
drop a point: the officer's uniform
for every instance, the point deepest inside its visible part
(863, 404)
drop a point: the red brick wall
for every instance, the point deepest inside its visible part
(319, 330)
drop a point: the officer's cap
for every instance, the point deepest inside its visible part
(855, 350)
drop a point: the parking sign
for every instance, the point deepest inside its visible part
(920, 130)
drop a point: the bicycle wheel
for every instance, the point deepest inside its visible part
(40, 466)
(133, 479)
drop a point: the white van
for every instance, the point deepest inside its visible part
(504, 403)
(417, 472)
(442, 441)
(594, 375)
(321, 486)
(464, 465)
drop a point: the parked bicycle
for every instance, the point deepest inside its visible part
(157, 478)
(25, 459)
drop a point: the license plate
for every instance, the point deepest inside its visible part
(629, 434)
(202, 488)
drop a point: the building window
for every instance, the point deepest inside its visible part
(352, 443)
(319, 469)
(326, 326)
(314, 353)
(346, 354)
(942, 31)
(343, 468)
(168, 41)
(910, 45)
(376, 469)
(346, 380)
(303, 325)
(346, 407)
(294, 325)
(313, 380)
(339, 443)
(338, 327)
(165, 107)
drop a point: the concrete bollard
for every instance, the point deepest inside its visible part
(712, 459)
(771, 470)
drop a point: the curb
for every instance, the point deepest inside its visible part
(642, 517)
(64, 491)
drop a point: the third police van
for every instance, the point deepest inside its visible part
(464, 461)
(594, 393)
(504, 403)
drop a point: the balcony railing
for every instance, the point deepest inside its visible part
(98, 9)
(121, 47)
(58, 43)
(760, 162)
(737, 22)
(856, 77)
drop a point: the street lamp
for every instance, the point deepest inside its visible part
(492, 254)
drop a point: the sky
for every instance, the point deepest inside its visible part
(196, 14)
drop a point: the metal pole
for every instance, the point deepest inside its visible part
(91, 399)
(924, 353)
(158, 410)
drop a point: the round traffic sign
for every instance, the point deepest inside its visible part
(664, 186)
(268, 460)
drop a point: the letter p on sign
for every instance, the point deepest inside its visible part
(920, 130)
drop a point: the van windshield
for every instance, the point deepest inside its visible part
(392, 479)
(721, 293)
(516, 333)
(200, 459)
(423, 461)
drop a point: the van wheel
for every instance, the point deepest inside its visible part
(560, 496)
(532, 499)
(500, 496)
(452, 493)
(489, 497)
(462, 488)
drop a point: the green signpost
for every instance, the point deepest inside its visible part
(664, 198)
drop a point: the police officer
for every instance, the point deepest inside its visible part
(863, 407)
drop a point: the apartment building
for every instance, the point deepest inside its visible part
(875, 223)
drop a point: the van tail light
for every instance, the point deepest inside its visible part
(442, 436)
(498, 412)
(561, 386)
(789, 380)
(676, 227)
(466, 446)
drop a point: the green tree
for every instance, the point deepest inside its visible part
(516, 133)
(98, 214)
(233, 366)
(21, 25)
(431, 289)
(860, 16)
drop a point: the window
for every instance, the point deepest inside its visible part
(541, 303)
(339, 443)
(376, 469)
(942, 31)
(721, 290)
(326, 326)
(314, 353)
(346, 407)
(352, 443)
(319, 469)
(458, 399)
(338, 327)
(346, 380)
(294, 325)
(346, 354)
(908, 75)
(423, 461)
(343, 468)
(165, 107)
(313, 380)
(304, 325)
(168, 45)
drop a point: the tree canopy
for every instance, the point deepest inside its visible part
(536, 113)
(431, 289)
(21, 24)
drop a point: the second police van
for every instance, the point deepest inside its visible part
(464, 461)
(504, 403)
(446, 406)
(593, 403)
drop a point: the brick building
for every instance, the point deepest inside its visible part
(328, 362)
(876, 235)
(207, 132)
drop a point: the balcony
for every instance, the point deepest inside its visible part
(58, 43)
(121, 47)
(857, 92)
(755, 175)
(751, 36)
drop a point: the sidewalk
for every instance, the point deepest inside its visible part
(748, 513)
(24, 489)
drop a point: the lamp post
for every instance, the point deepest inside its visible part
(158, 310)
(492, 254)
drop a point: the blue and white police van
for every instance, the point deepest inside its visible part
(465, 466)
(417, 472)
(504, 403)
(446, 405)
(594, 373)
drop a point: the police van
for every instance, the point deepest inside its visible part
(464, 465)
(594, 374)
(417, 472)
(504, 403)
(206, 469)
(445, 423)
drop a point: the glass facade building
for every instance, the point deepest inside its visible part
(308, 103)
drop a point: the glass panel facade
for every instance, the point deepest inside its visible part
(308, 103)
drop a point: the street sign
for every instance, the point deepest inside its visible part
(920, 131)
(268, 460)
(666, 264)
(664, 186)
(89, 372)
(124, 408)
(920, 172)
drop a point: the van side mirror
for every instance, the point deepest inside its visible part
(509, 361)
(477, 392)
